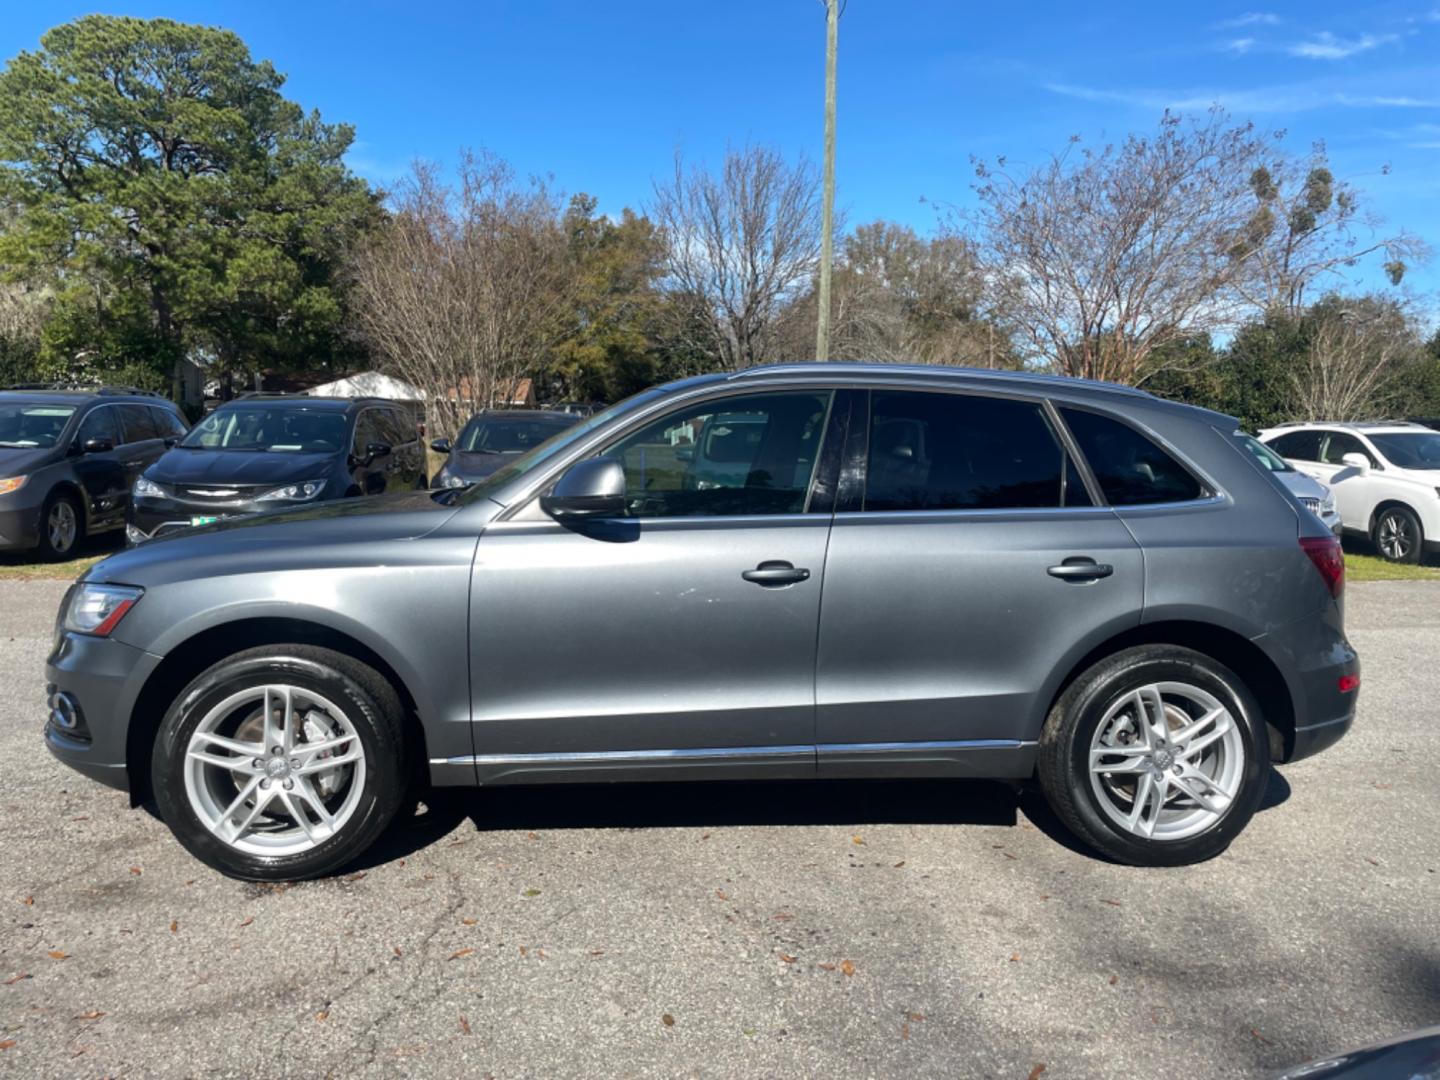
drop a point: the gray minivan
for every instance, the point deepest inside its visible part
(69, 458)
(913, 572)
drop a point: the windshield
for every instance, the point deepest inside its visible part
(506, 434)
(1418, 451)
(554, 445)
(256, 427)
(1267, 457)
(31, 425)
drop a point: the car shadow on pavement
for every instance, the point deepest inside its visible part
(730, 804)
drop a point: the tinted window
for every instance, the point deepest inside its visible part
(367, 431)
(260, 427)
(1130, 468)
(1300, 445)
(99, 424)
(955, 452)
(393, 427)
(1267, 457)
(740, 455)
(1420, 451)
(167, 423)
(1341, 443)
(507, 434)
(136, 422)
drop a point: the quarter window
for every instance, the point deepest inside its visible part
(734, 456)
(960, 452)
(1130, 469)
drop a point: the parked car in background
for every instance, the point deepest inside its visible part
(579, 408)
(68, 460)
(1313, 495)
(1023, 577)
(1385, 477)
(264, 452)
(492, 438)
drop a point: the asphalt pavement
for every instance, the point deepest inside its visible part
(839, 929)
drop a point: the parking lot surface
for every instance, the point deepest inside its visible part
(846, 929)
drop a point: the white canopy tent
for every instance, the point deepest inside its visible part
(368, 384)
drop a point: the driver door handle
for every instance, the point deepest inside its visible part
(776, 572)
(1081, 568)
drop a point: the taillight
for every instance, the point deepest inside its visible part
(1329, 559)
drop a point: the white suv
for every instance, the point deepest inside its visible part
(1385, 477)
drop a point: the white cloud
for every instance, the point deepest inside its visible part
(1326, 46)
(1239, 45)
(1300, 97)
(1250, 18)
(1388, 102)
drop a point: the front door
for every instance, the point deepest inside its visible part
(970, 565)
(679, 635)
(105, 480)
(1352, 488)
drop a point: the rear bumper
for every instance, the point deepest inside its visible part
(101, 678)
(1313, 656)
(1310, 739)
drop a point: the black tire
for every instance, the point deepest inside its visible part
(369, 702)
(1066, 739)
(1397, 529)
(60, 502)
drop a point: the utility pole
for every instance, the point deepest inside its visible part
(827, 214)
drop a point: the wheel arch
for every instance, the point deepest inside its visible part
(1392, 502)
(196, 653)
(66, 486)
(1241, 655)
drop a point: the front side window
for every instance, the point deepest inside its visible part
(99, 424)
(1341, 443)
(167, 423)
(1130, 469)
(1417, 451)
(32, 425)
(505, 434)
(271, 430)
(932, 451)
(751, 454)
(138, 424)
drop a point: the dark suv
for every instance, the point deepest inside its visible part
(1022, 577)
(267, 452)
(68, 458)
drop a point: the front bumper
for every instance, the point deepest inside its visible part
(19, 527)
(151, 518)
(100, 679)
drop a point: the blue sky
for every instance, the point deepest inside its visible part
(599, 95)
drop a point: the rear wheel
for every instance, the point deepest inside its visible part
(62, 527)
(1156, 756)
(282, 762)
(1398, 535)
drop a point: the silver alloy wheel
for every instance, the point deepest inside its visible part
(1397, 539)
(275, 770)
(1166, 761)
(61, 526)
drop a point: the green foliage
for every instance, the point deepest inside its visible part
(180, 201)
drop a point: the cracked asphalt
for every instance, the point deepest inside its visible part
(847, 929)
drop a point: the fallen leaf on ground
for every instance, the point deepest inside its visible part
(458, 953)
(468, 922)
(1262, 1038)
(1014, 957)
(1371, 861)
(668, 1020)
(6, 1044)
(531, 892)
(29, 901)
(174, 926)
(397, 951)
(1112, 903)
(857, 840)
(597, 952)
(356, 877)
(93, 1014)
(524, 951)
(464, 1026)
(323, 1014)
(1035, 1072)
(847, 967)
(788, 959)
(18, 978)
(136, 871)
(1009, 856)
(904, 1031)
(1114, 979)
(247, 922)
(899, 864)
(782, 916)
(56, 954)
(721, 894)
(917, 1017)
(826, 967)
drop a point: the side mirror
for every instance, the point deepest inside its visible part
(441, 446)
(171, 443)
(376, 449)
(1359, 462)
(589, 489)
(97, 446)
(685, 453)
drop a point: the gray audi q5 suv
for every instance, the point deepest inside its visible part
(802, 571)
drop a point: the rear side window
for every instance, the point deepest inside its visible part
(137, 423)
(932, 451)
(1300, 445)
(1341, 443)
(1130, 468)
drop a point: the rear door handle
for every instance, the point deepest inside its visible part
(1081, 569)
(776, 572)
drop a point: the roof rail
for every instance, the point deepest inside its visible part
(87, 388)
(855, 367)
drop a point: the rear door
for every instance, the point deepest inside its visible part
(105, 480)
(967, 563)
(142, 443)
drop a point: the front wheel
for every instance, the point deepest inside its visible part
(1398, 535)
(280, 763)
(62, 527)
(1156, 756)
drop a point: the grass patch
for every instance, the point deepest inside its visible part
(26, 566)
(1369, 568)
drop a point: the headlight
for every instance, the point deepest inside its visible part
(98, 609)
(294, 492)
(452, 481)
(11, 483)
(149, 489)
